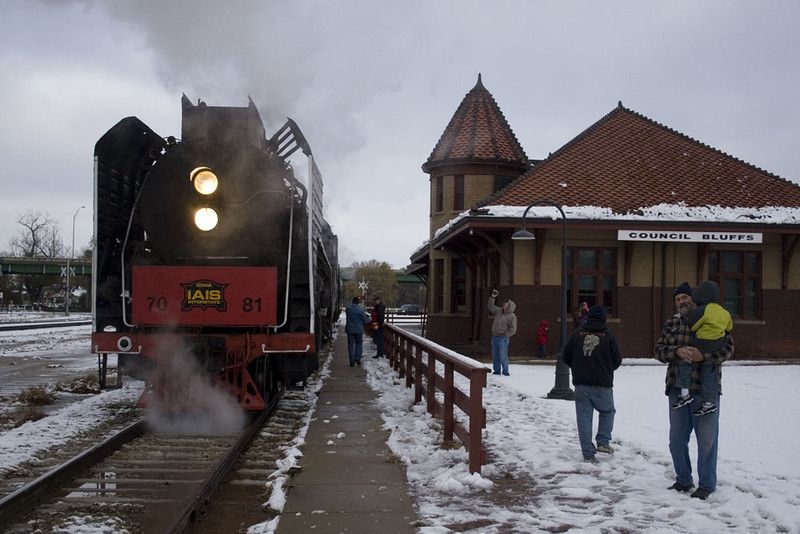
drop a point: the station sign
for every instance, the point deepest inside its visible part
(689, 237)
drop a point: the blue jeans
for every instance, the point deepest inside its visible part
(355, 346)
(706, 432)
(587, 400)
(500, 354)
(708, 378)
(377, 337)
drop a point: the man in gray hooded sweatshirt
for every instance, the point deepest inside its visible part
(504, 325)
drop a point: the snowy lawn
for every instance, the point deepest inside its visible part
(536, 480)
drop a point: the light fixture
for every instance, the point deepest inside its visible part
(206, 219)
(72, 255)
(523, 235)
(204, 180)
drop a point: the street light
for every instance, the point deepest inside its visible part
(66, 296)
(561, 390)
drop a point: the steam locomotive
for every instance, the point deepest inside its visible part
(213, 265)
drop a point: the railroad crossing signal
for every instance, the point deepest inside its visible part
(64, 270)
(363, 285)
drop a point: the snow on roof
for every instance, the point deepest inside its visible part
(679, 212)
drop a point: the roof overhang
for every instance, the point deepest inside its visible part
(469, 228)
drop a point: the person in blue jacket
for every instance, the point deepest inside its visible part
(356, 319)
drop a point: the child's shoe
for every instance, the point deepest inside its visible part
(706, 408)
(682, 401)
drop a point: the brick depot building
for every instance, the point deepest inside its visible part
(646, 208)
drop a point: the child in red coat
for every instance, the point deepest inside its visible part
(541, 339)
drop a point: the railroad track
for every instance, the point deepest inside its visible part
(136, 480)
(10, 327)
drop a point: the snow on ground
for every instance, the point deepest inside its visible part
(30, 343)
(532, 441)
(535, 480)
(22, 444)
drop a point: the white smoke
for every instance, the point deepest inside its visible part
(195, 405)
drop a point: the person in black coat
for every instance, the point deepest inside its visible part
(379, 313)
(593, 354)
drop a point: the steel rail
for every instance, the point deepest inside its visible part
(26, 496)
(194, 506)
(5, 327)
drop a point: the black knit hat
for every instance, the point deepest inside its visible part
(596, 313)
(684, 288)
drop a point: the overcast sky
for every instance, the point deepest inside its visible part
(373, 84)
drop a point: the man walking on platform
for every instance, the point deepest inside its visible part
(356, 319)
(593, 354)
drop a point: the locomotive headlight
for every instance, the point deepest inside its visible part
(204, 180)
(206, 219)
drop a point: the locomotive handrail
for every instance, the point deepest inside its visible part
(265, 351)
(418, 360)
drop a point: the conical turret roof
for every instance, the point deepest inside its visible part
(477, 133)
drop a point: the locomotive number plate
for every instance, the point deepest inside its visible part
(205, 296)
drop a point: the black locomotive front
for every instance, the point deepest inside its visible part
(204, 255)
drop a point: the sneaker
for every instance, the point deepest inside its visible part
(590, 460)
(706, 408)
(701, 493)
(682, 401)
(605, 448)
(506, 374)
(681, 487)
(496, 373)
(358, 362)
(376, 356)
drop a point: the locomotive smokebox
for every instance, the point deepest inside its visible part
(207, 198)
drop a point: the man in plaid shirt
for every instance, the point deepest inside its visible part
(672, 346)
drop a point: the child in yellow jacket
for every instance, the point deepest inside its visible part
(710, 323)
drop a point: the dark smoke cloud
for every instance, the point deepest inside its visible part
(373, 83)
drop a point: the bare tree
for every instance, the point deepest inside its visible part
(39, 238)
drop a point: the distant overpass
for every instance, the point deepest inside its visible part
(58, 266)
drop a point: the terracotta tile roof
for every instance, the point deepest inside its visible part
(477, 133)
(626, 161)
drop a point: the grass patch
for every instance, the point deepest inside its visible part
(36, 396)
(20, 416)
(83, 385)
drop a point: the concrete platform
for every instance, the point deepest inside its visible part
(350, 481)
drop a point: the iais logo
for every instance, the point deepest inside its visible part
(204, 294)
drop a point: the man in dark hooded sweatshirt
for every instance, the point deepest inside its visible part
(593, 354)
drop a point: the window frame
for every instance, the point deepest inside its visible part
(438, 194)
(599, 272)
(459, 188)
(438, 286)
(458, 286)
(720, 275)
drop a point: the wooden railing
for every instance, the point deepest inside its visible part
(416, 320)
(418, 361)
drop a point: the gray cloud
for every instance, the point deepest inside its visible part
(373, 85)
